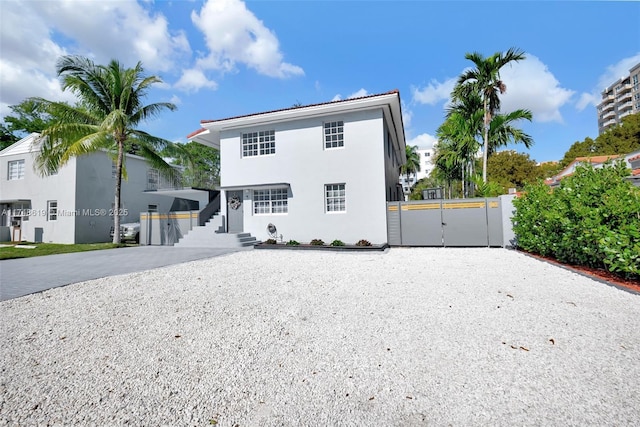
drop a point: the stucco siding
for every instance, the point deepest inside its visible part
(38, 191)
(95, 196)
(302, 161)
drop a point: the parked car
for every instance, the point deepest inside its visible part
(129, 231)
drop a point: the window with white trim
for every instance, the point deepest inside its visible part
(334, 134)
(15, 170)
(335, 197)
(52, 210)
(272, 201)
(260, 143)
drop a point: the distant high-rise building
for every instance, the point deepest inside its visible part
(620, 99)
(426, 166)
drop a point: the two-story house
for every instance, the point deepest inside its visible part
(76, 204)
(323, 171)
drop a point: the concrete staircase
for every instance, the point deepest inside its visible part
(212, 235)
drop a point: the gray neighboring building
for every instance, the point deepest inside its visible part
(620, 99)
(76, 204)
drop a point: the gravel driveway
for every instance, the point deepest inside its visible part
(420, 336)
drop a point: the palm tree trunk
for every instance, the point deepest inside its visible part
(485, 152)
(116, 204)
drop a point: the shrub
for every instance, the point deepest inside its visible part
(292, 243)
(317, 242)
(270, 241)
(363, 242)
(592, 218)
(337, 243)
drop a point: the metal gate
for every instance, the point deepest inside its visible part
(461, 222)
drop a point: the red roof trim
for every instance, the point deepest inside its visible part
(597, 159)
(199, 131)
(635, 172)
(634, 158)
(303, 106)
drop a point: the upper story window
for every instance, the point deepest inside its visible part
(334, 134)
(273, 201)
(15, 170)
(258, 143)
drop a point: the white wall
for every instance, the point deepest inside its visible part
(38, 190)
(302, 161)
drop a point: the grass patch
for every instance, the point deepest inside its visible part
(42, 249)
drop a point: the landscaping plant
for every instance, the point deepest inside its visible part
(592, 219)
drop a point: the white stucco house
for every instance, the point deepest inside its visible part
(322, 171)
(76, 204)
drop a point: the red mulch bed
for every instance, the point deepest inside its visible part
(596, 273)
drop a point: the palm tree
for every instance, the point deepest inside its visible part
(485, 80)
(461, 131)
(110, 107)
(412, 165)
(449, 162)
(502, 132)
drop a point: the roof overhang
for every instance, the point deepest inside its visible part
(182, 193)
(8, 201)
(257, 186)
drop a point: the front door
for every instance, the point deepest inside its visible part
(234, 211)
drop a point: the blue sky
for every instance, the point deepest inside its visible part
(222, 58)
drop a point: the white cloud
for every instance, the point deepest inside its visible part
(434, 92)
(423, 141)
(31, 34)
(234, 35)
(194, 80)
(175, 99)
(358, 94)
(407, 116)
(611, 74)
(587, 99)
(531, 86)
(115, 29)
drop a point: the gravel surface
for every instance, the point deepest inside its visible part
(419, 336)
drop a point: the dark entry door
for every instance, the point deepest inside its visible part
(235, 211)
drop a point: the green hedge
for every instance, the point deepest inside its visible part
(592, 218)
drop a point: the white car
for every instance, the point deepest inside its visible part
(128, 231)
